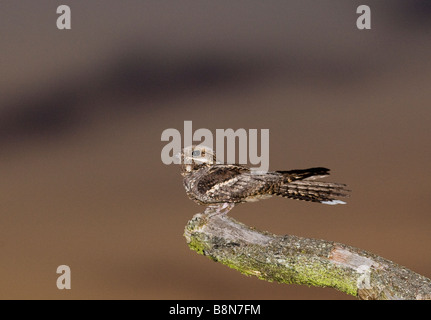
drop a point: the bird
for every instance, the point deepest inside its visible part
(211, 183)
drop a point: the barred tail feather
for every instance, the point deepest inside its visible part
(315, 191)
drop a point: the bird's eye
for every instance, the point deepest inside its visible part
(196, 153)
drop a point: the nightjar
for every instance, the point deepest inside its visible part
(218, 185)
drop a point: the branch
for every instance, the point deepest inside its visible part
(290, 259)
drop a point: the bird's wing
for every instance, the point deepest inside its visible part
(235, 183)
(220, 175)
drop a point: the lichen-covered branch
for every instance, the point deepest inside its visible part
(290, 259)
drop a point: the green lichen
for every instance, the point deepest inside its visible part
(318, 272)
(197, 245)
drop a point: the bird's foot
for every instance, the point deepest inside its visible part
(219, 209)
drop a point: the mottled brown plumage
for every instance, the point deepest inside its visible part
(208, 182)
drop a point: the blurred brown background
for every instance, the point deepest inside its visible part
(82, 112)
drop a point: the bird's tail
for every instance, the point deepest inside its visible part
(312, 173)
(315, 191)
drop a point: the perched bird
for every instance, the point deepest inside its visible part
(218, 185)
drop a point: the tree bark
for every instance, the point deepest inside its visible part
(291, 259)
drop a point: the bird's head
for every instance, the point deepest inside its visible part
(193, 157)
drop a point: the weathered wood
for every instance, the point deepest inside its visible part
(291, 259)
